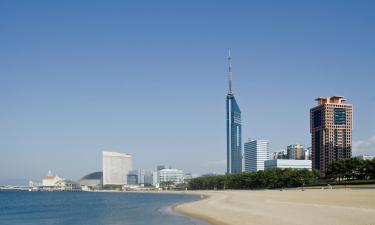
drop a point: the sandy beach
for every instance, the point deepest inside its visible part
(288, 207)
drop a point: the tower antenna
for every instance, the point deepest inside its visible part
(229, 73)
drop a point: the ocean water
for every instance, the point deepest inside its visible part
(91, 208)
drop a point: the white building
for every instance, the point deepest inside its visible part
(116, 167)
(50, 180)
(366, 157)
(287, 163)
(172, 175)
(308, 153)
(155, 178)
(256, 152)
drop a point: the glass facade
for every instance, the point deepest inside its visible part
(234, 137)
(317, 149)
(340, 116)
(317, 118)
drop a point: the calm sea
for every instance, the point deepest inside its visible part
(88, 208)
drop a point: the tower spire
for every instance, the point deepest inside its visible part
(229, 73)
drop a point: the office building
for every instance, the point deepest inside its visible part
(331, 131)
(279, 155)
(155, 178)
(160, 167)
(308, 153)
(234, 152)
(116, 167)
(287, 163)
(296, 151)
(133, 178)
(256, 152)
(171, 175)
(148, 178)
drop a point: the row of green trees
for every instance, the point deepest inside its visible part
(270, 178)
(347, 169)
(352, 169)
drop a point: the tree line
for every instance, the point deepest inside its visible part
(352, 169)
(270, 178)
(348, 169)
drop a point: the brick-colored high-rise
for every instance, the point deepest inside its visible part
(331, 125)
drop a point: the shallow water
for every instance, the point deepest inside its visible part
(89, 208)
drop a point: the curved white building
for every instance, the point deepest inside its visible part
(116, 167)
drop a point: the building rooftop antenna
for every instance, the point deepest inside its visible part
(229, 73)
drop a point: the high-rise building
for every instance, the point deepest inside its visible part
(296, 151)
(160, 167)
(279, 155)
(148, 178)
(331, 131)
(256, 152)
(116, 167)
(234, 152)
(308, 153)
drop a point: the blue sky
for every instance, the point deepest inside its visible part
(149, 78)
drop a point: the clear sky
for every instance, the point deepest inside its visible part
(149, 78)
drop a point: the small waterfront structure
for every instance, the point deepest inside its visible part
(92, 180)
(67, 185)
(287, 163)
(116, 167)
(50, 180)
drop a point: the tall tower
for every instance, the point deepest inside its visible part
(331, 131)
(234, 152)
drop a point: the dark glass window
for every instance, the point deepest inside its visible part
(317, 149)
(339, 116)
(317, 118)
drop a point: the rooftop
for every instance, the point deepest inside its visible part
(116, 154)
(333, 100)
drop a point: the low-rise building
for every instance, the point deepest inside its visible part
(67, 185)
(287, 163)
(366, 157)
(92, 180)
(50, 180)
(132, 177)
(171, 175)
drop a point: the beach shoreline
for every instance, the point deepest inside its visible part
(287, 207)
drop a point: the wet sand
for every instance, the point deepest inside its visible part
(288, 207)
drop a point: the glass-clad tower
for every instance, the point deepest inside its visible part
(234, 152)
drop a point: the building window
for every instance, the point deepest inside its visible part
(317, 118)
(339, 116)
